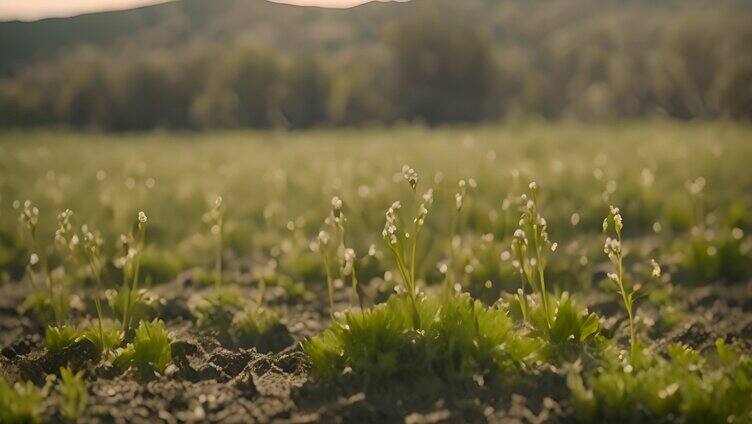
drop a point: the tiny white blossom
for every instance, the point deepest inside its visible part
(656, 269)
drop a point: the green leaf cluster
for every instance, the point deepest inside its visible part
(73, 393)
(150, 350)
(454, 338)
(19, 403)
(685, 385)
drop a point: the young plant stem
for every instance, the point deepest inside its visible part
(97, 303)
(416, 232)
(627, 302)
(354, 281)
(218, 254)
(56, 309)
(409, 285)
(262, 291)
(133, 287)
(539, 258)
(449, 276)
(329, 285)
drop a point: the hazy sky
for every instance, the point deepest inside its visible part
(36, 9)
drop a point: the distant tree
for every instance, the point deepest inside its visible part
(443, 70)
(241, 91)
(703, 67)
(306, 91)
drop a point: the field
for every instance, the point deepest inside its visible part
(251, 276)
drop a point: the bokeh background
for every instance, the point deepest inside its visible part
(198, 64)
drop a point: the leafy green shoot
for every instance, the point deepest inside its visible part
(73, 393)
(59, 337)
(106, 338)
(456, 339)
(92, 248)
(139, 305)
(37, 263)
(20, 403)
(530, 247)
(613, 249)
(130, 262)
(253, 323)
(217, 308)
(215, 218)
(150, 351)
(687, 385)
(568, 325)
(449, 268)
(402, 240)
(332, 244)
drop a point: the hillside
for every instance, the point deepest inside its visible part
(197, 64)
(291, 28)
(182, 22)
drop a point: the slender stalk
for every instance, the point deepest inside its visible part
(262, 290)
(627, 301)
(56, 309)
(628, 304)
(218, 257)
(539, 257)
(449, 276)
(97, 302)
(329, 285)
(133, 287)
(354, 281)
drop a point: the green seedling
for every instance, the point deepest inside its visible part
(140, 305)
(73, 394)
(217, 309)
(150, 351)
(106, 338)
(323, 245)
(448, 268)
(457, 338)
(37, 263)
(59, 337)
(20, 403)
(686, 385)
(215, 218)
(252, 324)
(530, 247)
(130, 262)
(333, 247)
(92, 248)
(568, 325)
(613, 249)
(403, 242)
(89, 249)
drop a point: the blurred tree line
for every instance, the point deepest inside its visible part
(436, 69)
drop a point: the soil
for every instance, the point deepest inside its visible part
(209, 381)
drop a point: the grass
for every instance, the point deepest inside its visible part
(481, 289)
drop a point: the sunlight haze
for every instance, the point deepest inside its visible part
(39, 9)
